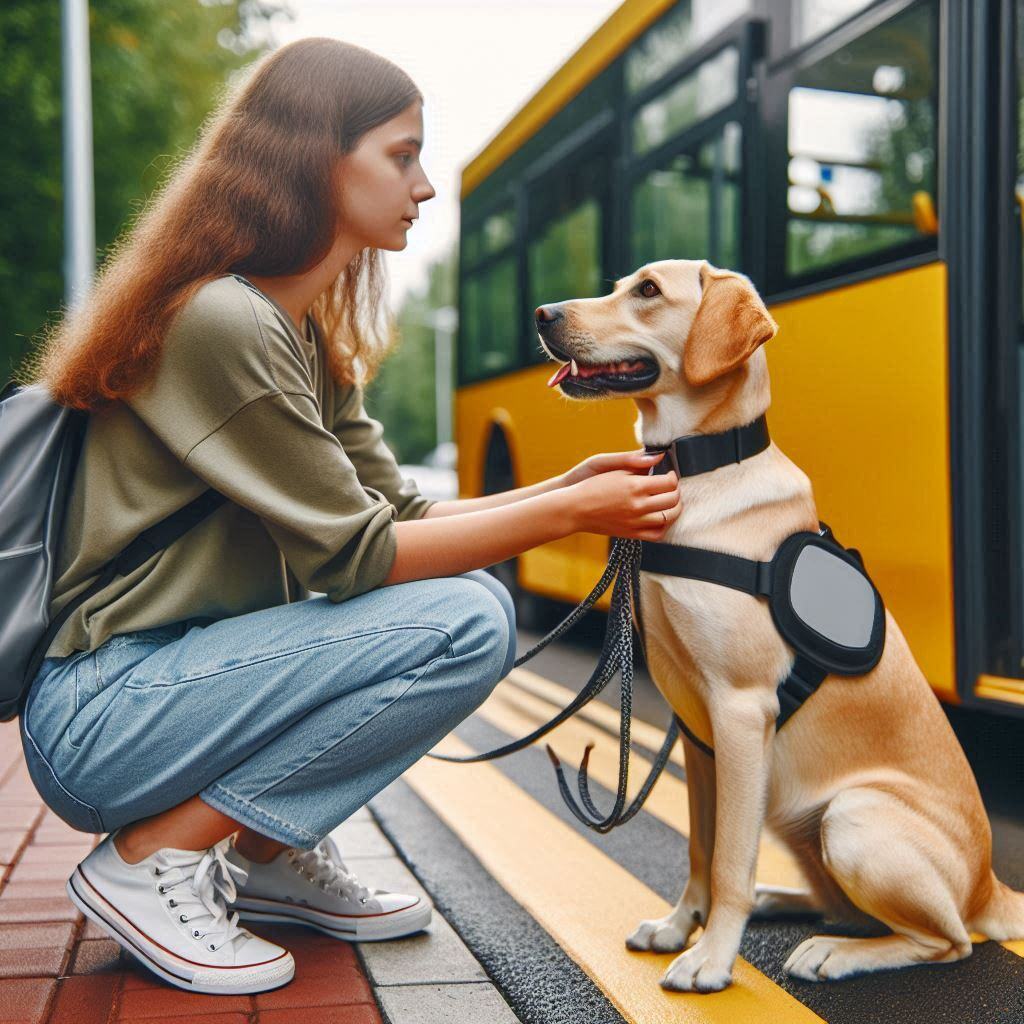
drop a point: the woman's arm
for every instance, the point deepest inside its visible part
(637, 461)
(463, 505)
(456, 542)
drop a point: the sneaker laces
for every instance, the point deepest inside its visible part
(210, 883)
(326, 868)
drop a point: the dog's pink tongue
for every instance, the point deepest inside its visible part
(559, 374)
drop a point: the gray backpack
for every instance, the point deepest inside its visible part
(40, 442)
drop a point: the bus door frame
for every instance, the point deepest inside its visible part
(980, 241)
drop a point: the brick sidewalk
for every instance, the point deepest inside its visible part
(56, 966)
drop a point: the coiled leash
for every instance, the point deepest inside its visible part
(616, 656)
(821, 599)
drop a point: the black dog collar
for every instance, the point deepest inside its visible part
(701, 453)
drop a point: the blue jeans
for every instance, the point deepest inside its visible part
(287, 719)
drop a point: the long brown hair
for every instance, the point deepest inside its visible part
(257, 195)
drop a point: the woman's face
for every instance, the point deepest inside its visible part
(383, 183)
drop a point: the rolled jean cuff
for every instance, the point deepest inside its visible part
(256, 818)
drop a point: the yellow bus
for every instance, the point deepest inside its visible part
(859, 161)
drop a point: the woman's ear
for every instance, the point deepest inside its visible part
(731, 323)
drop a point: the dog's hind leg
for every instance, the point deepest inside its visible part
(823, 896)
(872, 846)
(777, 902)
(671, 933)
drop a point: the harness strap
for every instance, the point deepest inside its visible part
(803, 680)
(744, 574)
(751, 577)
(693, 738)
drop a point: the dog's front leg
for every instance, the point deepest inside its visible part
(671, 933)
(743, 724)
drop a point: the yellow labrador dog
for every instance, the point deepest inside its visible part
(867, 784)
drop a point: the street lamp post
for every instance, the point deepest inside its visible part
(79, 213)
(443, 321)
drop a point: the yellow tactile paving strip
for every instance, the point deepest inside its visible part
(523, 700)
(585, 900)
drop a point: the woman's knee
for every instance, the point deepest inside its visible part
(481, 630)
(498, 589)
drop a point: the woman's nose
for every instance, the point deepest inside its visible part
(424, 191)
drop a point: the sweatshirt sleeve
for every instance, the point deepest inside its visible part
(362, 437)
(233, 398)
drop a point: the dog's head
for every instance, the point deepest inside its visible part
(669, 322)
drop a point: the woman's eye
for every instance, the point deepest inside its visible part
(648, 289)
(405, 159)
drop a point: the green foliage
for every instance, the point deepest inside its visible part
(157, 70)
(401, 396)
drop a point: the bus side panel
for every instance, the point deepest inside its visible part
(548, 434)
(859, 379)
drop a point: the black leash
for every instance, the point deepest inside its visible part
(616, 656)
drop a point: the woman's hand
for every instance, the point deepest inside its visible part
(637, 461)
(622, 503)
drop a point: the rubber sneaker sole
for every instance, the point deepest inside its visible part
(368, 928)
(189, 975)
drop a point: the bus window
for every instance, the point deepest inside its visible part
(489, 329)
(814, 17)
(861, 145)
(565, 259)
(488, 341)
(694, 97)
(688, 208)
(566, 236)
(688, 24)
(497, 232)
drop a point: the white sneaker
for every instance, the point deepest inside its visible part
(315, 888)
(169, 912)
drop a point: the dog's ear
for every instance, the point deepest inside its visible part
(731, 323)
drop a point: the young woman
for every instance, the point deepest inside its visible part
(204, 710)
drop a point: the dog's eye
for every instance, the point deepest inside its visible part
(648, 289)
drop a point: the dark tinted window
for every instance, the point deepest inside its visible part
(688, 207)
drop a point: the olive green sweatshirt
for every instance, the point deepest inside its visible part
(242, 402)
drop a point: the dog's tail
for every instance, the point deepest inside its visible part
(1002, 918)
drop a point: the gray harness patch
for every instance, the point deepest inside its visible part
(832, 598)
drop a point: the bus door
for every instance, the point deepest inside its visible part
(985, 168)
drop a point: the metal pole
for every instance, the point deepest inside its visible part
(79, 212)
(444, 320)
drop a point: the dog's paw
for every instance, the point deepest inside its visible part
(697, 970)
(822, 958)
(660, 936)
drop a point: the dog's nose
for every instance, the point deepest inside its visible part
(547, 315)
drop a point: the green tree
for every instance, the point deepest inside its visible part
(157, 69)
(401, 396)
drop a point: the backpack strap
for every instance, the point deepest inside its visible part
(147, 544)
